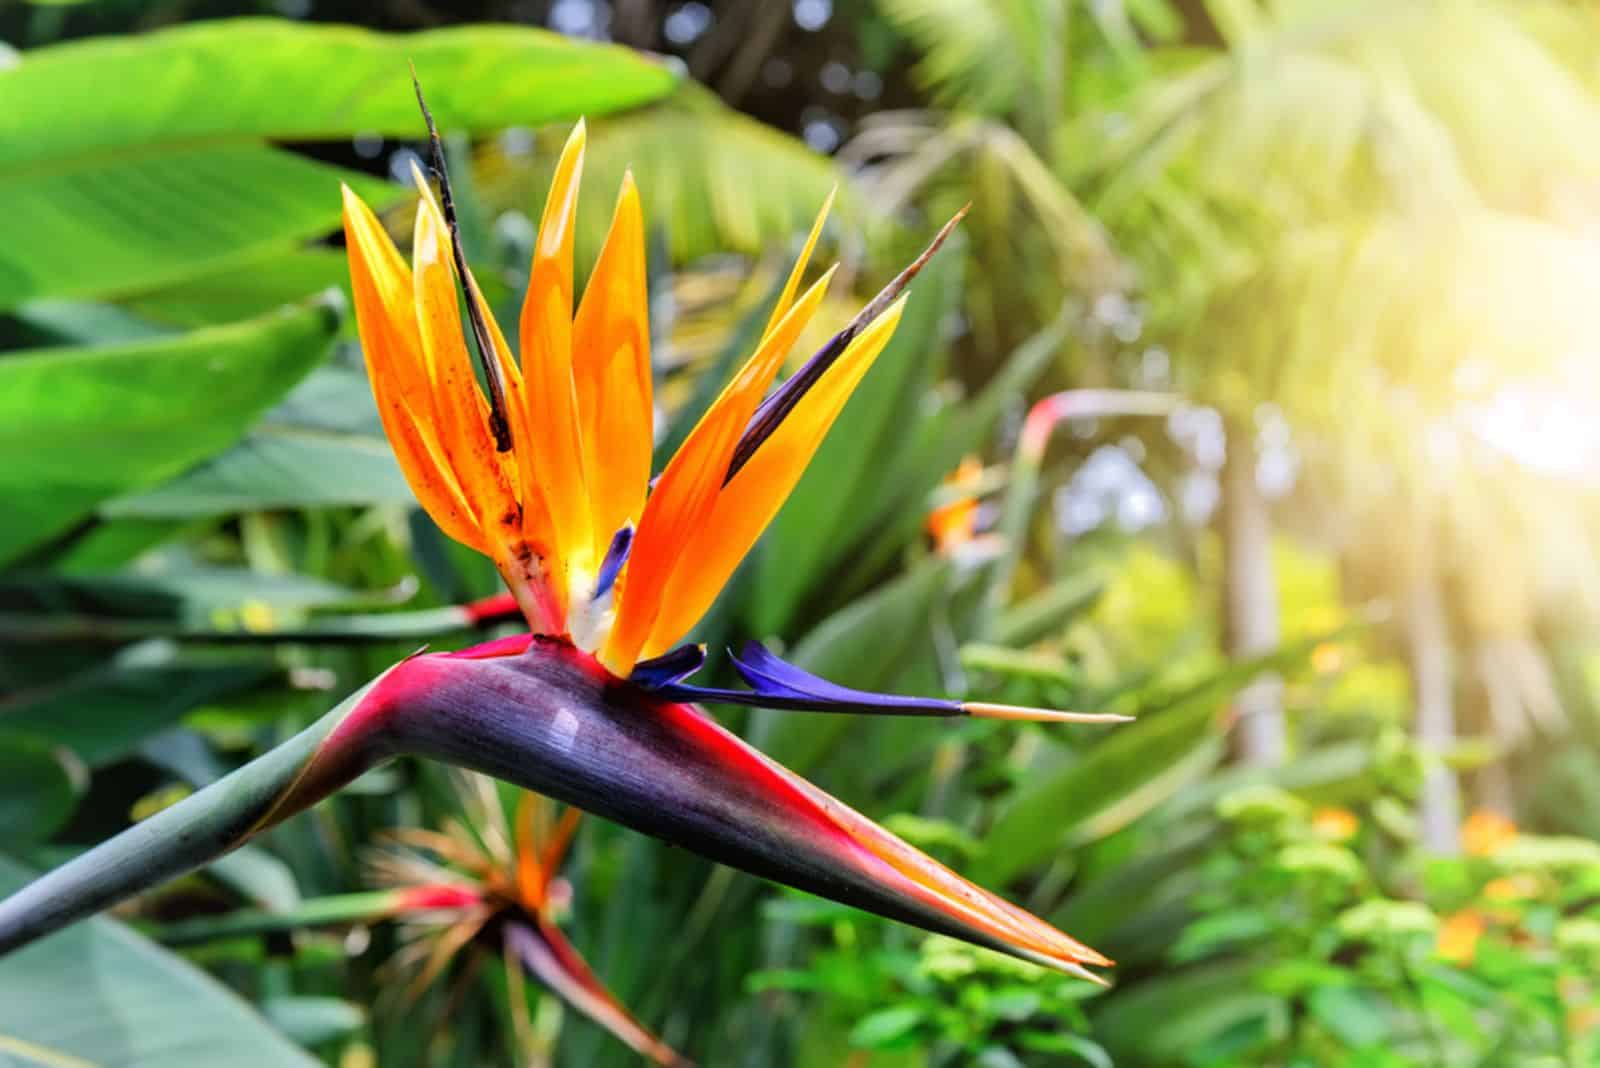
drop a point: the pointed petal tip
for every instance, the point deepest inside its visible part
(350, 200)
(1078, 971)
(419, 179)
(986, 710)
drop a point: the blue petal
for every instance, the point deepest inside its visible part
(616, 556)
(668, 668)
(776, 683)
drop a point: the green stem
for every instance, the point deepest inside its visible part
(347, 629)
(316, 912)
(192, 832)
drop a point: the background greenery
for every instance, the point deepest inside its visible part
(1344, 573)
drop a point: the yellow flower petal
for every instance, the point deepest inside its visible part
(792, 286)
(386, 323)
(611, 374)
(546, 331)
(688, 488)
(750, 500)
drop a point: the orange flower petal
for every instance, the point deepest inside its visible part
(528, 567)
(463, 429)
(555, 847)
(792, 286)
(750, 500)
(547, 953)
(552, 404)
(386, 323)
(611, 374)
(532, 876)
(688, 488)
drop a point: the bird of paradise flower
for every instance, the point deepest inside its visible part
(546, 470)
(494, 883)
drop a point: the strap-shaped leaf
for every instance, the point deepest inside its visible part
(100, 994)
(82, 425)
(111, 191)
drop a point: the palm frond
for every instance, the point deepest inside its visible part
(711, 180)
(973, 56)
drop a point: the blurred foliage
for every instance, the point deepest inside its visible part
(1345, 227)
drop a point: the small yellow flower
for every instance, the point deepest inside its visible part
(1486, 832)
(1335, 824)
(1458, 937)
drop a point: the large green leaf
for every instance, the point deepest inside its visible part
(114, 191)
(1164, 1019)
(39, 787)
(169, 588)
(1176, 740)
(104, 712)
(98, 994)
(1137, 764)
(253, 288)
(243, 80)
(82, 228)
(693, 157)
(78, 426)
(322, 446)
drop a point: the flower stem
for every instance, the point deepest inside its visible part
(195, 831)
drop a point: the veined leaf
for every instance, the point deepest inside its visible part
(1176, 740)
(39, 787)
(112, 191)
(80, 425)
(322, 446)
(258, 876)
(233, 81)
(693, 157)
(171, 587)
(1167, 1017)
(313, 1021)
(82, 228)
(104, 712)
(98, 994)
(251, 289)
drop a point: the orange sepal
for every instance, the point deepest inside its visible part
(528, 566)
(611, 374)
(386, 323)
(753, 496)
(687, 489)
(546, 331)
(463, 429)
